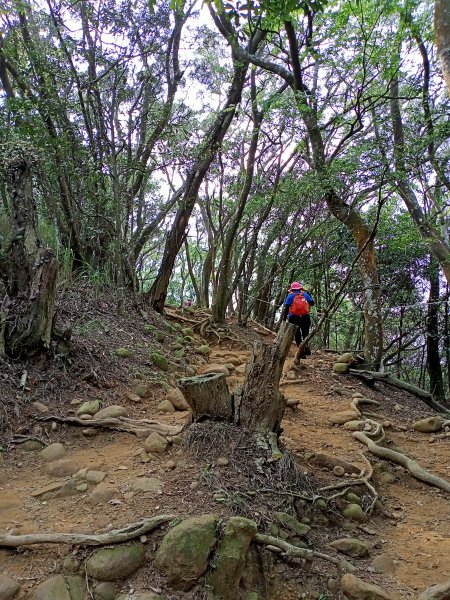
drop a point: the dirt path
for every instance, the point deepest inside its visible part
(413, 541)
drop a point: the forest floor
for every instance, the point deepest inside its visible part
(409, 536)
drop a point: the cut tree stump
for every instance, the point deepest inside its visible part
(208, 396)
(262, 405)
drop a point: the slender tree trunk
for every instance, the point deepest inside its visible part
(433, 355)
(208, 150)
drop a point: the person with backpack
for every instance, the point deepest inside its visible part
(296, 310)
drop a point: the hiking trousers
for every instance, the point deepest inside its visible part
(303, 324)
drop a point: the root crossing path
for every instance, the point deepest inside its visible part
(408, 529)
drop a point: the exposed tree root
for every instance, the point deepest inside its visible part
(408, 463)
(129, 532)
(140, 427)
(291, 551)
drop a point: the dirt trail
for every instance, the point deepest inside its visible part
(414, 538)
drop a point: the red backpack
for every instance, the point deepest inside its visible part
(299, 306)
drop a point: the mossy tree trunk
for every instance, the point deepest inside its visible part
(28, 271)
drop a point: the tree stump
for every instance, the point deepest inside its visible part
(208, 396)
(262, 404)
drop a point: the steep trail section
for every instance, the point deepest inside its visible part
(412, 530)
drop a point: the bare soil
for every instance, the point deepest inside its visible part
(411, 527)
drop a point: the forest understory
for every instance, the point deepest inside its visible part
(403, 542)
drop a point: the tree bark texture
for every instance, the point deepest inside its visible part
(208, 396)
(262, 405)
(442, 32)
(28, 271)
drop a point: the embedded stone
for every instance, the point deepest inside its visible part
(184, 551)
(351, 547)
(109, 564)
(155, 443)
(53, 452)
(430, 425)
(176, 397)
(166, 407)
(356, 589)
(8, 587)
(111, 412)
(89, 408)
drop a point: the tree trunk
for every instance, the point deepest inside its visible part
(433, 356)
(442, 29)
(28, 271)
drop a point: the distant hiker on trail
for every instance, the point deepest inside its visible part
(296, 310)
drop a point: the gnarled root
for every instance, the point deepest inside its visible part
(129, 532)
(408, 463)
(291, 551)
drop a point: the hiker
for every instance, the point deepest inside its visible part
(296, 311)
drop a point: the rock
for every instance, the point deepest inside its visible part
(42, 408)
(90, 432)
(175, 439)
(82, 487)
(8, 587)
(353, 498)
(68, 489)
(292, 524)
(430, 425)
(343, 417)
(333, 585)
(160, 361)
(339, 471)
(351, 547)
(176, 398)
(31, 446)
(203, 349)
(109, 564)
(101, 494)
(222, 461)
(141, 596)
(340, 368)
(105, 591)
(184, 551)
(53, 452)
(229, 559)
(123, 352)
(54, 588)
(146, 484)
(95, 476)
(354, 425)
(155, 443)
(62, 468)
(77, 587)
(384, 564)
(347, 358)
(169, 465)
(47, 489)
(89, 408)
(216, 368)
(132, 397)
(111, 412)
(440, 591)
(357, 589)
(70, 564)
(166, 407)
(86, 417)
(141, 389)
(354, 512)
